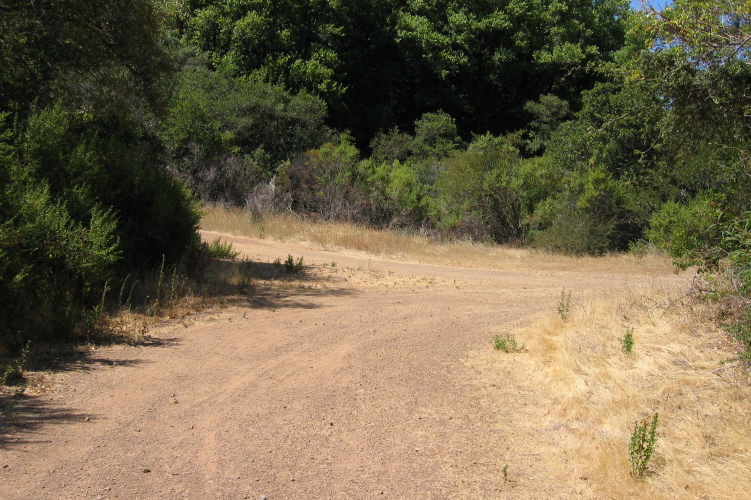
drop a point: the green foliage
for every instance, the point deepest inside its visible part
(379, 64)
(610, 157)
(477, 192)
(219, 250)
(688, 232)
(51, 264)
(740, 328)
(14, 373)
(322, 182)
(699, 57)
(100, 52)
(391, 146)
(83, 193)
(736, 248)
(507, 343)
(564, 304)
(435, 136)
(570, 229)
(226, 135)
(627, 341)
(642, 446)
(736, 243)
(293, 266)
(698, 60)
(547, 114)
(290, 265)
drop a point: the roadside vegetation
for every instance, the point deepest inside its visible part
(574, 130)
(604, 397)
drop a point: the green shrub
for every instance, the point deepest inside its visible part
(77, 209)
(642, 446)
(293, 266)
(688, 232)
(477, 191)
(507, 343)
(14, 372)
(227, 134)
(627, 341)
(219, 250)
(564, 304)
(572, 231)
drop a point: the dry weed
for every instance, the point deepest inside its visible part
(407, 246)
(677, 369)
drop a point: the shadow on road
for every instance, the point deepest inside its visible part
(270, 285)
(249, 284)
(22, 417)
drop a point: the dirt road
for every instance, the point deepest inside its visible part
(359, 383)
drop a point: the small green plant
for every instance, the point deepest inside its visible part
(243, 283)
(642, 446)
(627, 341)
(333, 263)
(15, 371)
(507, 343)
(564, 304)
(293, 266)
(219, 250)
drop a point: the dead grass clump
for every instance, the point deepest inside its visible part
(410, 246)
(676, 368)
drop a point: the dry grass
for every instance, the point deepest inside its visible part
(676, 369)
(406, 246)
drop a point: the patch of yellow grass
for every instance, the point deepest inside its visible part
(406, 246)
(676, 369)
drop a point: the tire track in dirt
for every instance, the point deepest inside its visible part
(356, 389)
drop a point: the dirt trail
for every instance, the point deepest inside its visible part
(356, 385)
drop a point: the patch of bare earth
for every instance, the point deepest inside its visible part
(367, 379)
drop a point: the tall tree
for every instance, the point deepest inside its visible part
(380, 64)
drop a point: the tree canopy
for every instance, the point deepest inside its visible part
(380, 64)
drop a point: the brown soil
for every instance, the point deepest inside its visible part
(368, 379)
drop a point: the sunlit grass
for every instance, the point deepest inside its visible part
(415, 247)
(676, 368)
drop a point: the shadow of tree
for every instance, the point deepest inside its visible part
(270, 286)
(235, 283)
(22, 417)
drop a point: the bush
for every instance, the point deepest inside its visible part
(226, 134)
(642, 445)
(322, 182)
(81, 200)
(51, 266)
(507, 343)
(688, 232)
(219, 250)
(478, 191)
(573, 231)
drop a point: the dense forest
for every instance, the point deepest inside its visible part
(578, 126)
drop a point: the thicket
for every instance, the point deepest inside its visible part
(84, 194)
